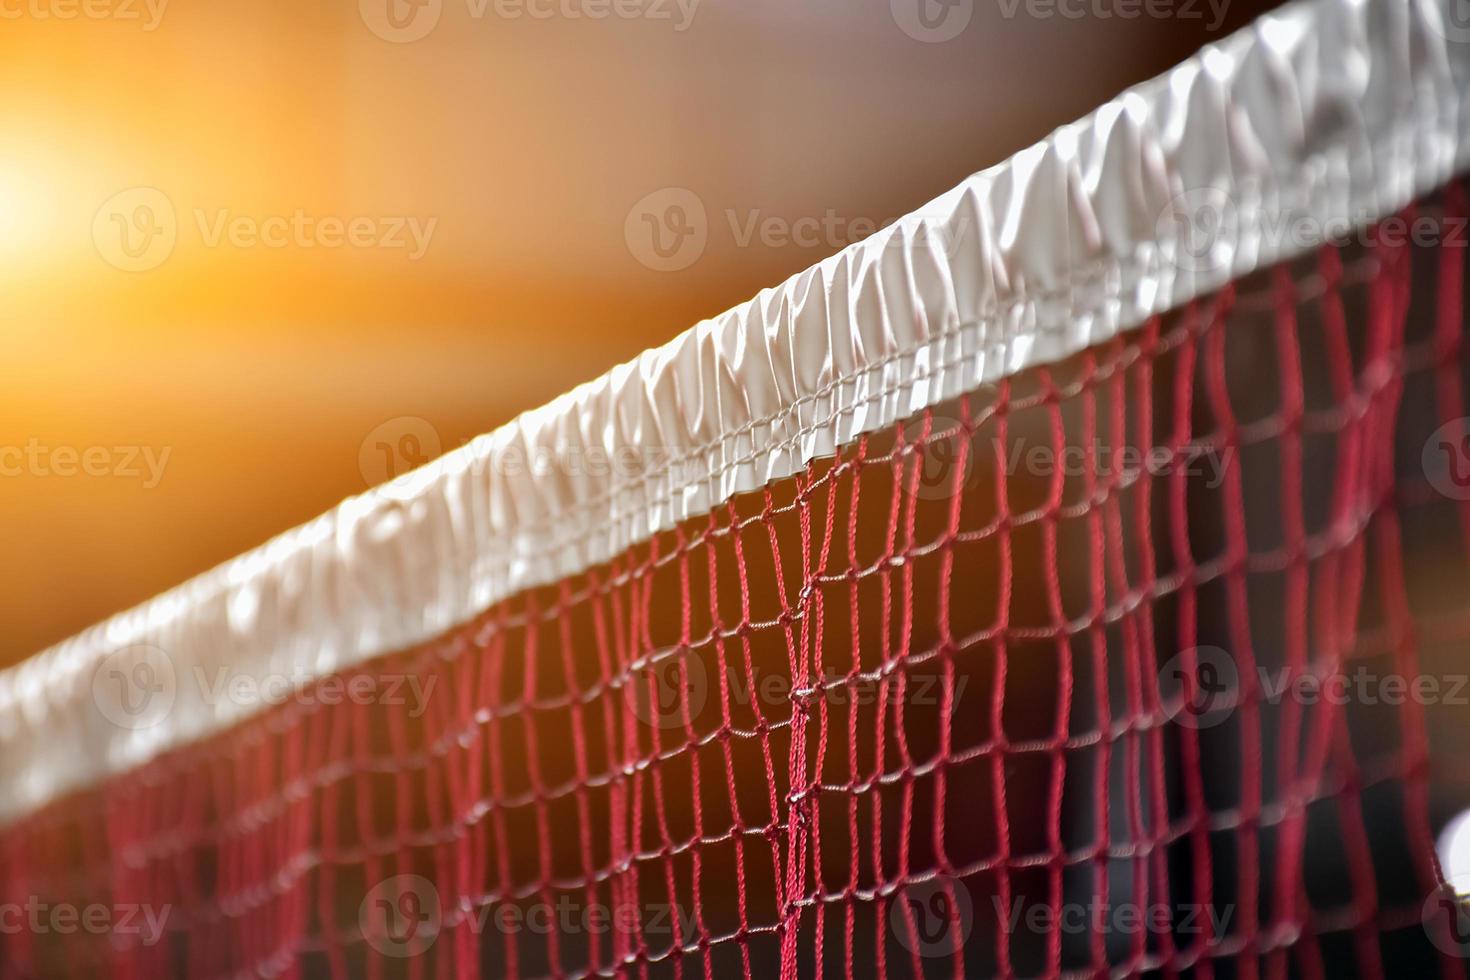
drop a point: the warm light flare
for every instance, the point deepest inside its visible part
(25, 220)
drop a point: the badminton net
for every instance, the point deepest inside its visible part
(1145, 661)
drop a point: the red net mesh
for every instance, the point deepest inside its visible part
(1084, 674)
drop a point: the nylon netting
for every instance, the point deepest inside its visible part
(1037, 683)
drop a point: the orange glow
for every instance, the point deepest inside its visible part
(253, 232)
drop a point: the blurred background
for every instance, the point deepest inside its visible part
(258, 257)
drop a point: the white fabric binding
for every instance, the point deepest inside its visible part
(1329, 111)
